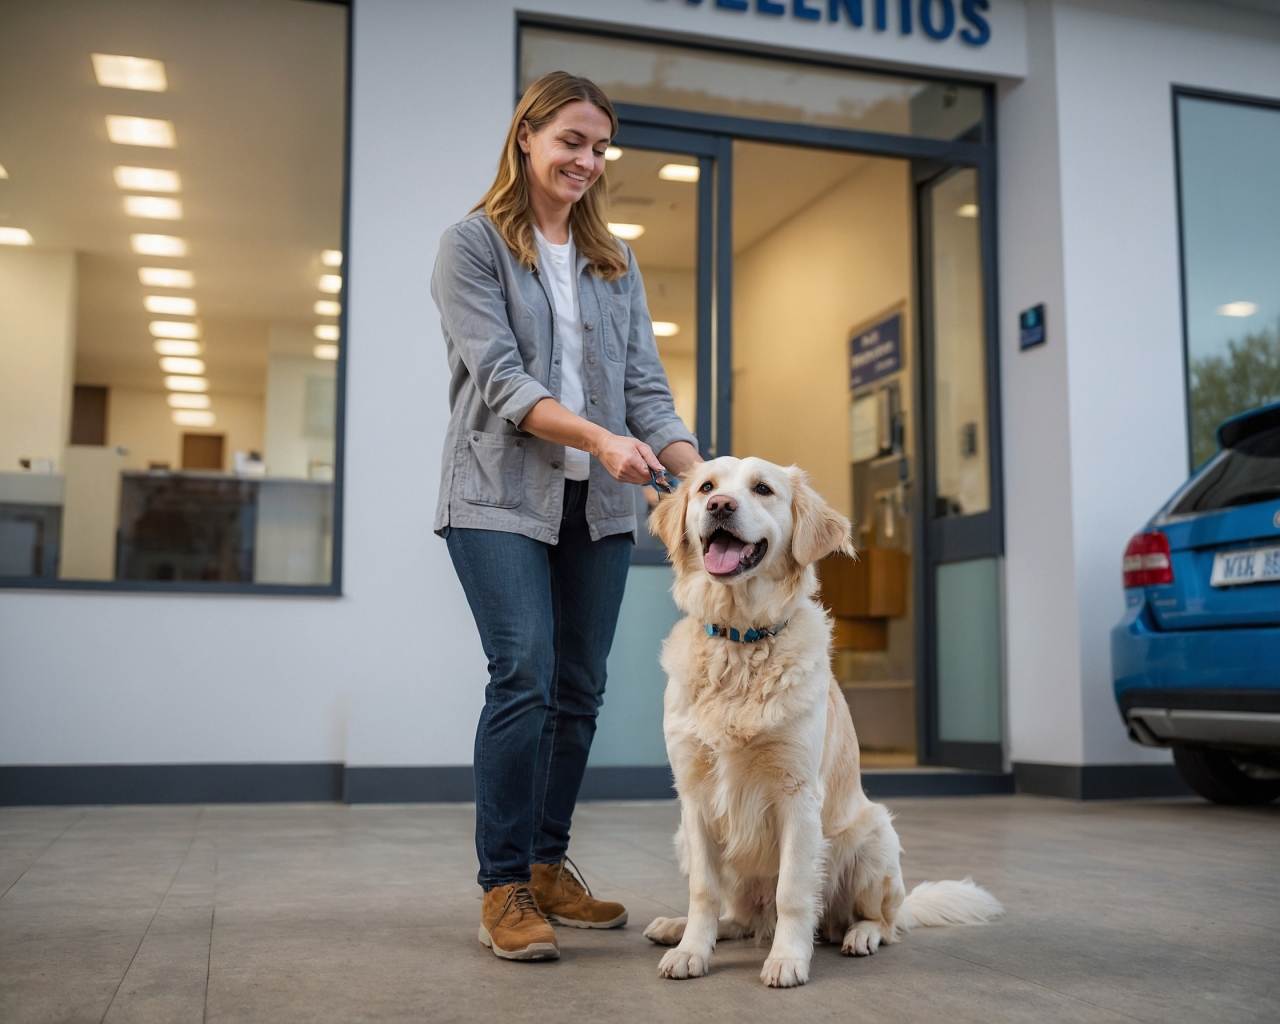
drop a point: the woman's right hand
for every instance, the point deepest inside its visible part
(626, 459)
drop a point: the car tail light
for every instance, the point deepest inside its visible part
(1147, 561)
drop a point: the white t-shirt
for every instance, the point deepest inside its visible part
(559, 267)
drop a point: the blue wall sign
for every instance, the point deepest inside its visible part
(1031, 327)
(938, 19)
(875, 352)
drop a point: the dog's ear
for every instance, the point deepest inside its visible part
(666, 522)
(817, 529)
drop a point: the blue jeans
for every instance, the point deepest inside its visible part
(546, 615)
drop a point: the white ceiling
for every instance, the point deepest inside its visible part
(257, 96)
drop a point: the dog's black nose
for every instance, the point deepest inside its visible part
(721, 506)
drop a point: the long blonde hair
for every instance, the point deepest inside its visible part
(506, 204)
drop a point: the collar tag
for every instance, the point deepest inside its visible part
(749, 637)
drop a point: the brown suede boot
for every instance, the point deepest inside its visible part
(566, 900)
(511, 925)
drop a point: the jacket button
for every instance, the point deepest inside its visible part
(595, 400)
(555, 465)
(591, 359)
(519, 444)
(588, 325)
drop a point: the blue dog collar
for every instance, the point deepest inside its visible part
(749, 637)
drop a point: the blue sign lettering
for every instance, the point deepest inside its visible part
(875, 352)
(938, 18)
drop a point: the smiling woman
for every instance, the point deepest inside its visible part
(182, 196)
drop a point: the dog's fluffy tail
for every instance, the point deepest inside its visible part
(936, 903)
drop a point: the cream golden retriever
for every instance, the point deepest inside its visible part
(776, 834)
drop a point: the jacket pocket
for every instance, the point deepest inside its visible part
(492, 469)
(615, 311)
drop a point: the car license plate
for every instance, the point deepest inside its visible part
(1252, 565)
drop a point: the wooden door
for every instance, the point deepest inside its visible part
(202, 451)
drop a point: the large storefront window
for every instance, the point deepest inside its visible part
(171, 291)
(1229, 181)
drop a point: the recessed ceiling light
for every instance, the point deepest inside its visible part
(180, 364)
(327, 307)
(15, 236)
(967, 210)
(328, 352)
(613, 153)
(1238, 309)
(119, 72)
(627, 231)
(166, 277)
(327, 332)
(158, 245)
(147, 179)
(193, 418)
(679, 172)
(184, 400)
(665, 328)
(186, 384)
(140, 131)
(174, 329)
(3, 172)
(331, 257)
(157, 207)
(331, 283)
(174, 347)
(177, 305)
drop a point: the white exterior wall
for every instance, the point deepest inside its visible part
(392, 673)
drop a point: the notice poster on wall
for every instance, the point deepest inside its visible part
(875, 352)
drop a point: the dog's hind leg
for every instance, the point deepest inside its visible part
(667, 931)
(877, 885)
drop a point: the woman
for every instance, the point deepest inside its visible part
(559, 403)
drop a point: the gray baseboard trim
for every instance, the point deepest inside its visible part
(169, 783)
(884, 783)
(628, 782)
(1099, 781)
(426, 784)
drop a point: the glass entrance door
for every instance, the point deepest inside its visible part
(960, 630)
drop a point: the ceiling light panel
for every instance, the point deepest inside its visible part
(665, 329)
(679, 172)
(177, 347)
(327, 307)
(326, 352)
(1238, 309)
(327, 332)
(612, 153)
(174, 329)
(166, 277)
(147, 179)
(175, 305)
(196, 384)
(119, 72)
(3, 172)
(331, 257)
(15, 236)
(193, 418)
(156, 207)
(158, 245)
(179, 364)
(141, 131)
(330, 283)
(627, 232)
(185, 400)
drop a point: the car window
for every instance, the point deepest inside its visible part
(1247, 473)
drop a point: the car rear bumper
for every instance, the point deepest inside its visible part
(1212, 686)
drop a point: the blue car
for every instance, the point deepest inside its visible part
(1196, 659)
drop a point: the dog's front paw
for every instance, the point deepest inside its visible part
(666, 931)
(862, 939)
(678, 963)
(785, 972)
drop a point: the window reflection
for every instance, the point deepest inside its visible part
(170, 289)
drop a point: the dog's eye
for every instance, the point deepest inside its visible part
(706, 487)
(762, 489)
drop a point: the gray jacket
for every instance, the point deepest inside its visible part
(504, 358)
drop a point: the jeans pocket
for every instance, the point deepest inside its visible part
(615, 314)
(492, 468)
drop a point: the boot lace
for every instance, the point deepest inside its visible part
(521, 898)
(573, 877)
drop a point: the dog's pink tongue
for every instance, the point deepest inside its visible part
(724, 554)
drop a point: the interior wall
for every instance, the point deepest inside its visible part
(37, 345)
(799, 292)
(290, 449)
(141, 422)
